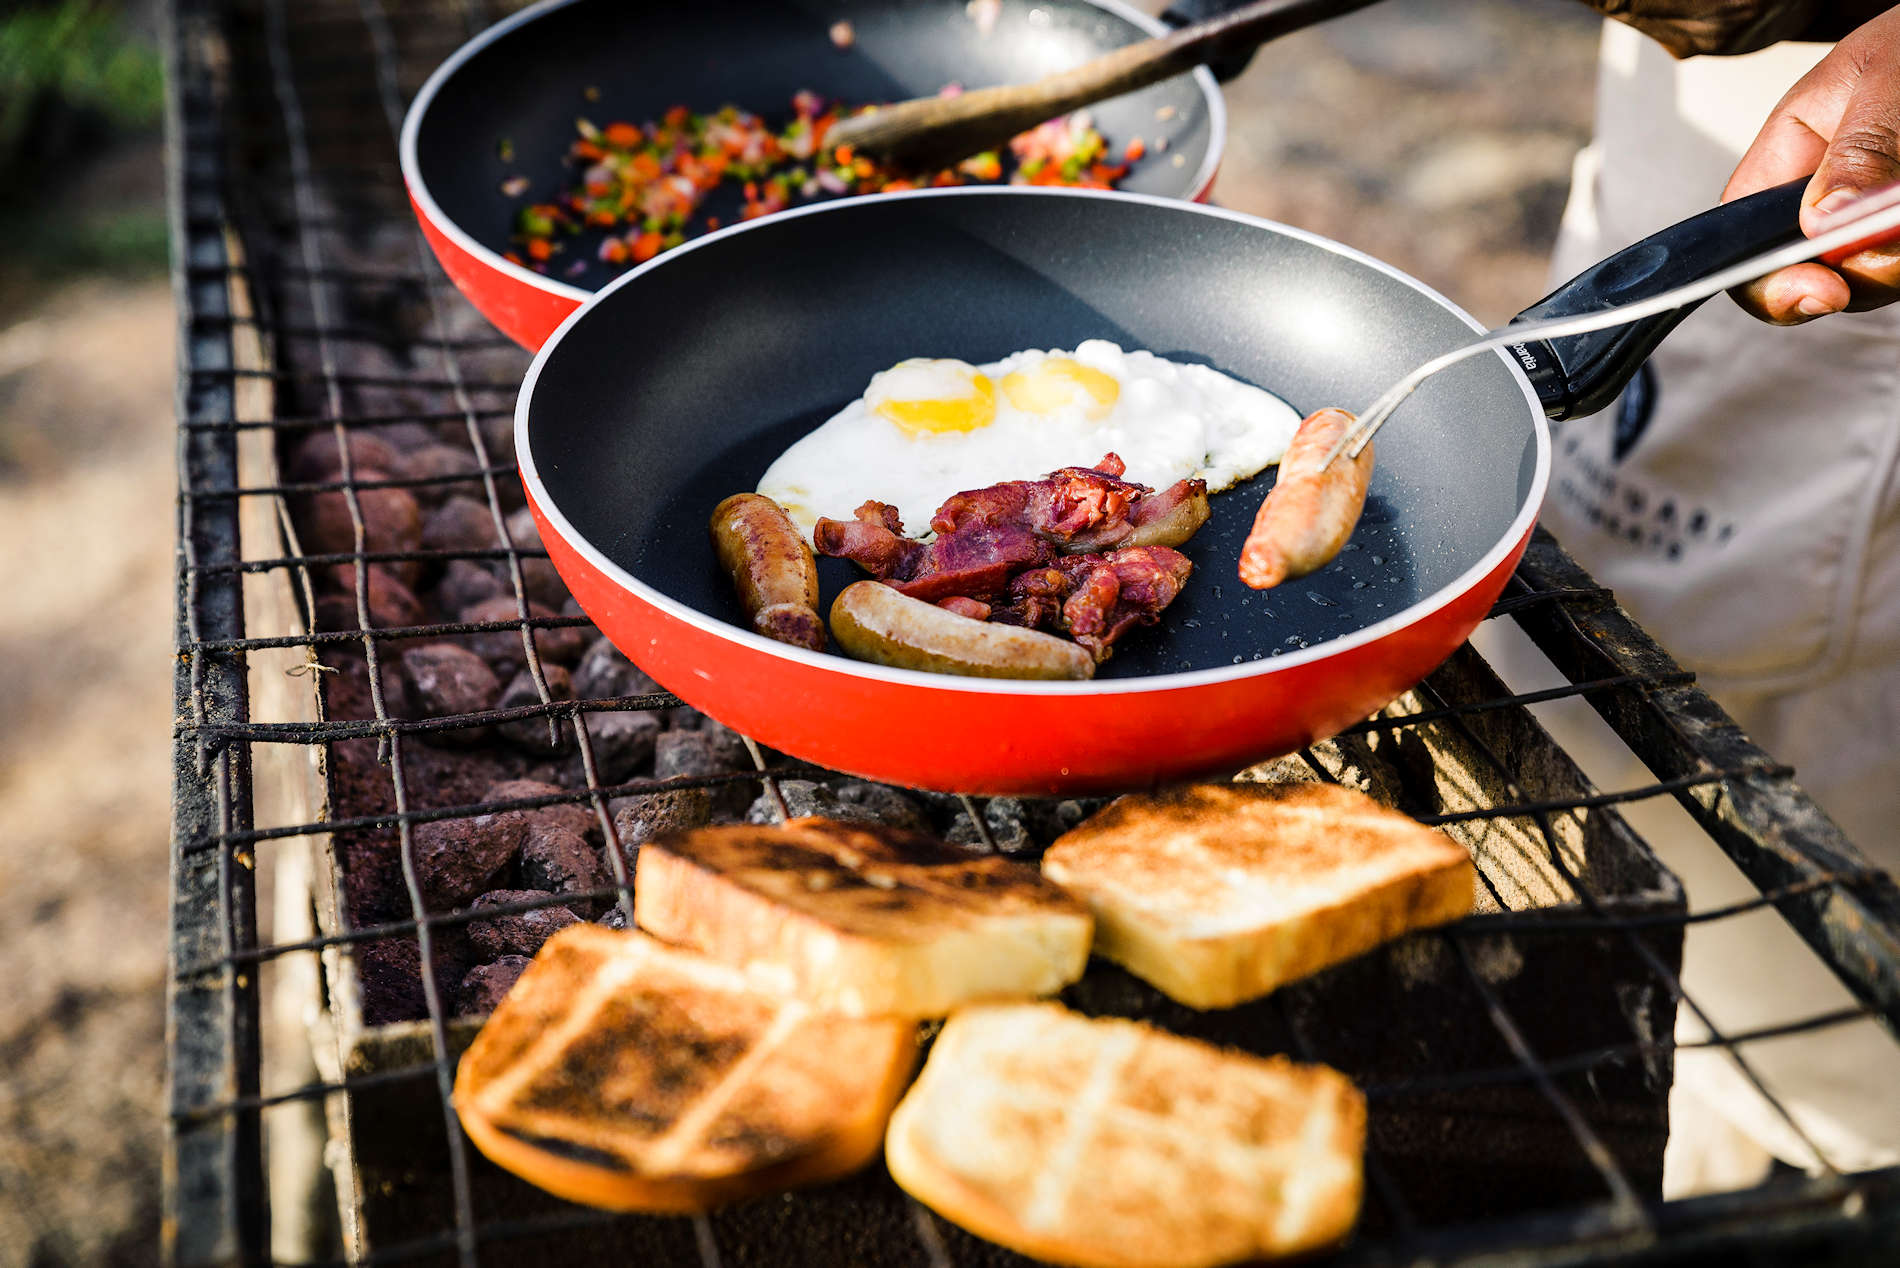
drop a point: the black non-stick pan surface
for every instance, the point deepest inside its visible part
(516, 90)
(671, 393)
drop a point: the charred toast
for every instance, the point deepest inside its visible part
(863, 919)
(626, 1074)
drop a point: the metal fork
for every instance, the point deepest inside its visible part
(1881, 218)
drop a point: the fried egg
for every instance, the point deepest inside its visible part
(930, 427)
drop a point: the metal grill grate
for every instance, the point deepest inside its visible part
(282, 123)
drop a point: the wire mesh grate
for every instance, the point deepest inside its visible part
(310, 310)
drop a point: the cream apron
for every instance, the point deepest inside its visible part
(1741, 500)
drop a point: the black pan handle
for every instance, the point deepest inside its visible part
(1581, 374)
(1226, 66)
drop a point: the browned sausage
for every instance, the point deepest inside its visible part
(1309, 513)
(873, 622)
(771, 567)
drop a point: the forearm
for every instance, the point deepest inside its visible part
(1725, 28)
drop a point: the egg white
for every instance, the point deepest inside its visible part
(1170, 422)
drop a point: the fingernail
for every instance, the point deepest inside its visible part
(1812, 307)
(1835, 200)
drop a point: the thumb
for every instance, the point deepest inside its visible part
(1862, 154)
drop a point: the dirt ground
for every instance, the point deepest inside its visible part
(1442, 146)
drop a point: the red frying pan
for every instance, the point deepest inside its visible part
(504, 106)
(680, 383)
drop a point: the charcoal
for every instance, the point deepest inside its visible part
(639, 819)
(560, 861)
(446, 680)
(892, 806)
(518, 933)
(602, 673)
(574, 816)
(488, 984)
(457, 858)
(391, 522)
(464, 584)
(616, 918)
(536, 735)
(391, 603)
(538, 576)
(436, 461)
(623, 743)
(503, 649)
(461, 524)
(315, 460)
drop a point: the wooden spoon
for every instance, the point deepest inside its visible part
(931, 133)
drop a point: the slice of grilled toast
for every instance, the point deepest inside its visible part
(1218, 893)
(863, 919)
(1107, 1142)
(627, 1074)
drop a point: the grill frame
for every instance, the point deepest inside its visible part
(216, 1199)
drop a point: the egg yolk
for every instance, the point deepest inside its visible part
(902, 401)
(1060, 381)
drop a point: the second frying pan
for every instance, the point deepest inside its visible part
(504, 105)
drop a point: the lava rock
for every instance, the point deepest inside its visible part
(538, 577)
(460, 523)
(457, 858)
(560, 861)
(519, 933)
(316, 459)
(503, 649)
(574, 816)
(533, 735)
(391, 522)
(638, 820)
(1004, 817)
(804, 798)
(678, 753)
(487, 985)
(616, 918)
(446, 680)
(892, 806)
(464, 584)
(602, 673)
(696, 753)
(391, 603)
(439, 461)
(623, 743)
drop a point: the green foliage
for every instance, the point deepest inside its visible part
(80, 52)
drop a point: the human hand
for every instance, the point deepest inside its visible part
(1841, 121)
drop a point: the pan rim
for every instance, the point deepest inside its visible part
(489, 258)
(1423, 610)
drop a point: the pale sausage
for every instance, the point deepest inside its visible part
(1309, 513)
(874, 622)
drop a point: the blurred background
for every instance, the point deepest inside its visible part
(1437, 137)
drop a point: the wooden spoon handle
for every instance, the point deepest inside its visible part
(933, 132)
